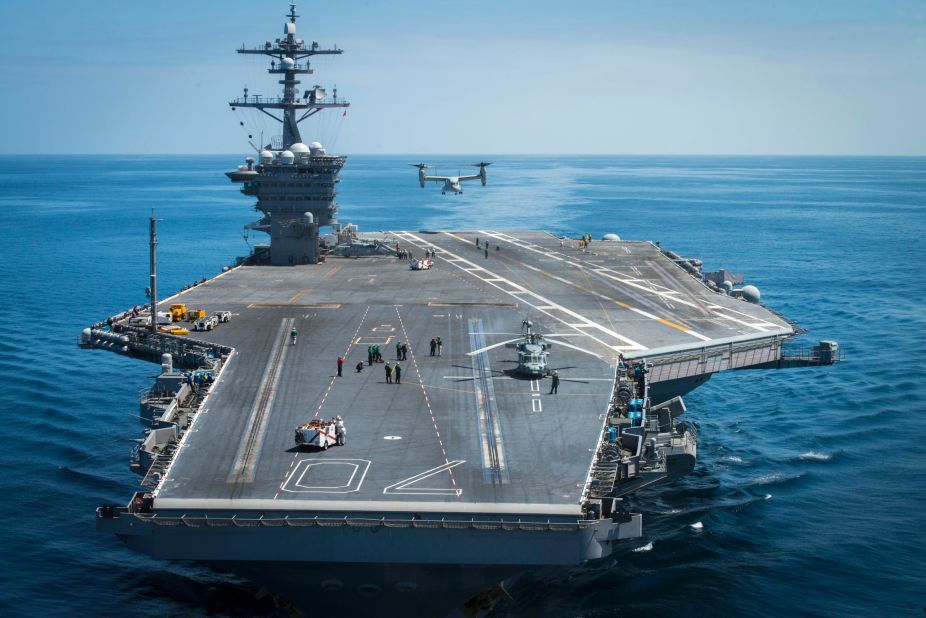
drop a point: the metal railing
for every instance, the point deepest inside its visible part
(257, 99)
(811, 353)
(352, 522)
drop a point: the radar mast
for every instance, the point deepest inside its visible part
(290, 58)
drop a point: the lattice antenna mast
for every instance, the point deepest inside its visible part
(290, 59)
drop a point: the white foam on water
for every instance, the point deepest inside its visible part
(776, 477)
(697, 526)
(647, 547)
(815, 456)
(733, 458)
(768, 496)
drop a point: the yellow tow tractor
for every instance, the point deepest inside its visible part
(177, 311)
(194, 314)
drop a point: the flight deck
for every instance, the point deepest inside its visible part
(464, 431)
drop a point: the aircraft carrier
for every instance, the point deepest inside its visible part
(465, 470)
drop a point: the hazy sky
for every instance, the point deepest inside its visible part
(475, 76)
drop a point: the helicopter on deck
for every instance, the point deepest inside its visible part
(533, 349)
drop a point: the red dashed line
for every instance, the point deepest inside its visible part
(324, 399)
(427, 402)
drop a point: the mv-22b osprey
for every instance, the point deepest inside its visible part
(451, 183)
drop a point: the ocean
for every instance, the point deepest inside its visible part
(809, 495)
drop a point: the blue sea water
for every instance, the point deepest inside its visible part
(810, 485)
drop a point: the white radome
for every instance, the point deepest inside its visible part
(287, 64)
(751, 293)
(287, 157)
(299, 148)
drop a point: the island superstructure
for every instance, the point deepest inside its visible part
(295, 184)
(465, 472)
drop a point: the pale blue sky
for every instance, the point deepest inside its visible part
(475, 76)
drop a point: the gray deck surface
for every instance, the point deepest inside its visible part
(459, 429)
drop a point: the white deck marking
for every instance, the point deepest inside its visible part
(536, 406)
(638, 311)
(402, 487)
(542, 304)
(664, 293)
(296, 481)
(761, 326)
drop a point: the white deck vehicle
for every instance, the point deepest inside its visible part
(321, 433)
(207, 323)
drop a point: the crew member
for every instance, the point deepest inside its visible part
(554, 386)
(340, 365)
(398, 373)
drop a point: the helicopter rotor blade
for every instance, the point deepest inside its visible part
(491, 347)
(577, 348)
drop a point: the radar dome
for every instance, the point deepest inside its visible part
(266, 157)
(611, 237)
(315, 145)
(317, 149)
(287, 64)
(287, 157)
(751, 293)
(299, 148)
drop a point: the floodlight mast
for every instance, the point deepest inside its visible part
(287, 53)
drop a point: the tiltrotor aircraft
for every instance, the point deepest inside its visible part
(451, 183)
